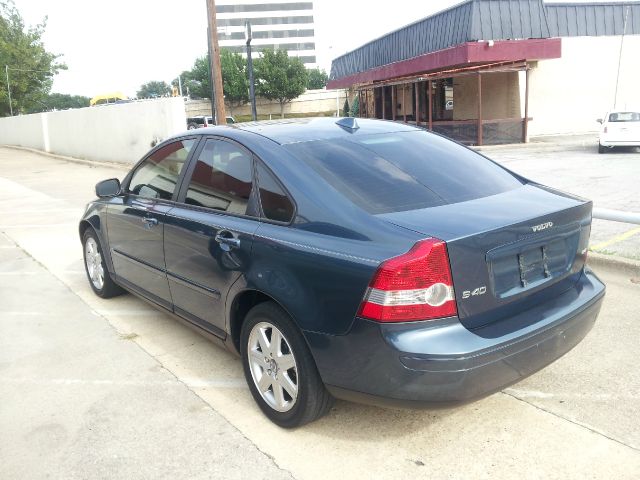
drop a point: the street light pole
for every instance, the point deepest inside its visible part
(252, 92)
(6, 71)
(216, 74)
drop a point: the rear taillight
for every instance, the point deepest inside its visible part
(605, 129)
(414, 286)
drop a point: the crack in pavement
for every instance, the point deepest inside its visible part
(574, 422)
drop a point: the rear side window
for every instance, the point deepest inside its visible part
(157, 176)
(275, 204)
(222, 178)
(393, 172)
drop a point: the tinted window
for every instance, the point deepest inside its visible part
(158, 175)
(394, 172)
(275, 204)
(221, 178)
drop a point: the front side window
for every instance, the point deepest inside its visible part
(158, 175)
(222, 178)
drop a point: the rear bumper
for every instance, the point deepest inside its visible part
(605, 142)
(431, 364)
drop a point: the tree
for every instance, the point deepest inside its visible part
(60, 101)
(317, 78)
(31, 66)
(345, 108)
(234, 79)
(355, 106)
(280, 77)
(154, 89)
(197, 80)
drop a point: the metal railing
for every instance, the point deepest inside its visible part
(616, 215)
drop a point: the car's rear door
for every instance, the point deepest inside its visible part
(209, 232)
(135, 220)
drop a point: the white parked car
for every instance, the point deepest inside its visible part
(619, 129)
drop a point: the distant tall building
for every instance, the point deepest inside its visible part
(282, 24)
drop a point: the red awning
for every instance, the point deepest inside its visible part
(470, 53)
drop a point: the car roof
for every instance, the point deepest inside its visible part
(297, 130)
(628, 110)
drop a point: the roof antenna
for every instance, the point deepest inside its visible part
(348, 123)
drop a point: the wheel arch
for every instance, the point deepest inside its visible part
(241, 304)
(93, 222)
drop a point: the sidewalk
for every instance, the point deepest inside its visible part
(77, 400)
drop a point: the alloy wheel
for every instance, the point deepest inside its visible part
(273, 366)
(93, 262)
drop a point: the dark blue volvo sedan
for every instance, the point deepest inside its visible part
(364, 260)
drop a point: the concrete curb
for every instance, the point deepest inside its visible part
(546, 145)
(613, 262)
(96, 163)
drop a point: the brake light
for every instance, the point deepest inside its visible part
(416, 285)
(605, 129)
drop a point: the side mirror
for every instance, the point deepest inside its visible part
(108, 188)
(599, 120)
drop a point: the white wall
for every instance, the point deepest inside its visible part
(23, 130)
(113, 133)
(568, 94)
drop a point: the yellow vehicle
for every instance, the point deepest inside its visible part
(108, 98)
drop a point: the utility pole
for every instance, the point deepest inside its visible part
(252, 91)
(216, 73)
(213, 85)
(6, 71)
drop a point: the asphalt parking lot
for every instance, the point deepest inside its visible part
(93, 388)
(572, 164)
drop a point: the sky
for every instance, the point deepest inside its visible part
(117, 45)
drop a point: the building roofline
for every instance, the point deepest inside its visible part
(439, 12)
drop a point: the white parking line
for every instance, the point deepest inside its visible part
(39, 210)
(22, 313)
(191, 382)
(49, 225)
(133, 313)
(217, 383)
(543, 395)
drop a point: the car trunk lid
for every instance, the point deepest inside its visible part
(623, 131)
(507, 251)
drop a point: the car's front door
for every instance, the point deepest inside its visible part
(209, 232)
(135, 221)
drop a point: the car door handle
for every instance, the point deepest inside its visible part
(227, 240)
(149, 221)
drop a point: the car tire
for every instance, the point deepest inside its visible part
(192, 126)
(94, 265)
(601, 149)
(283, 377)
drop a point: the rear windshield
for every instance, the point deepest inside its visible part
(393, 172)
(624, 117)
